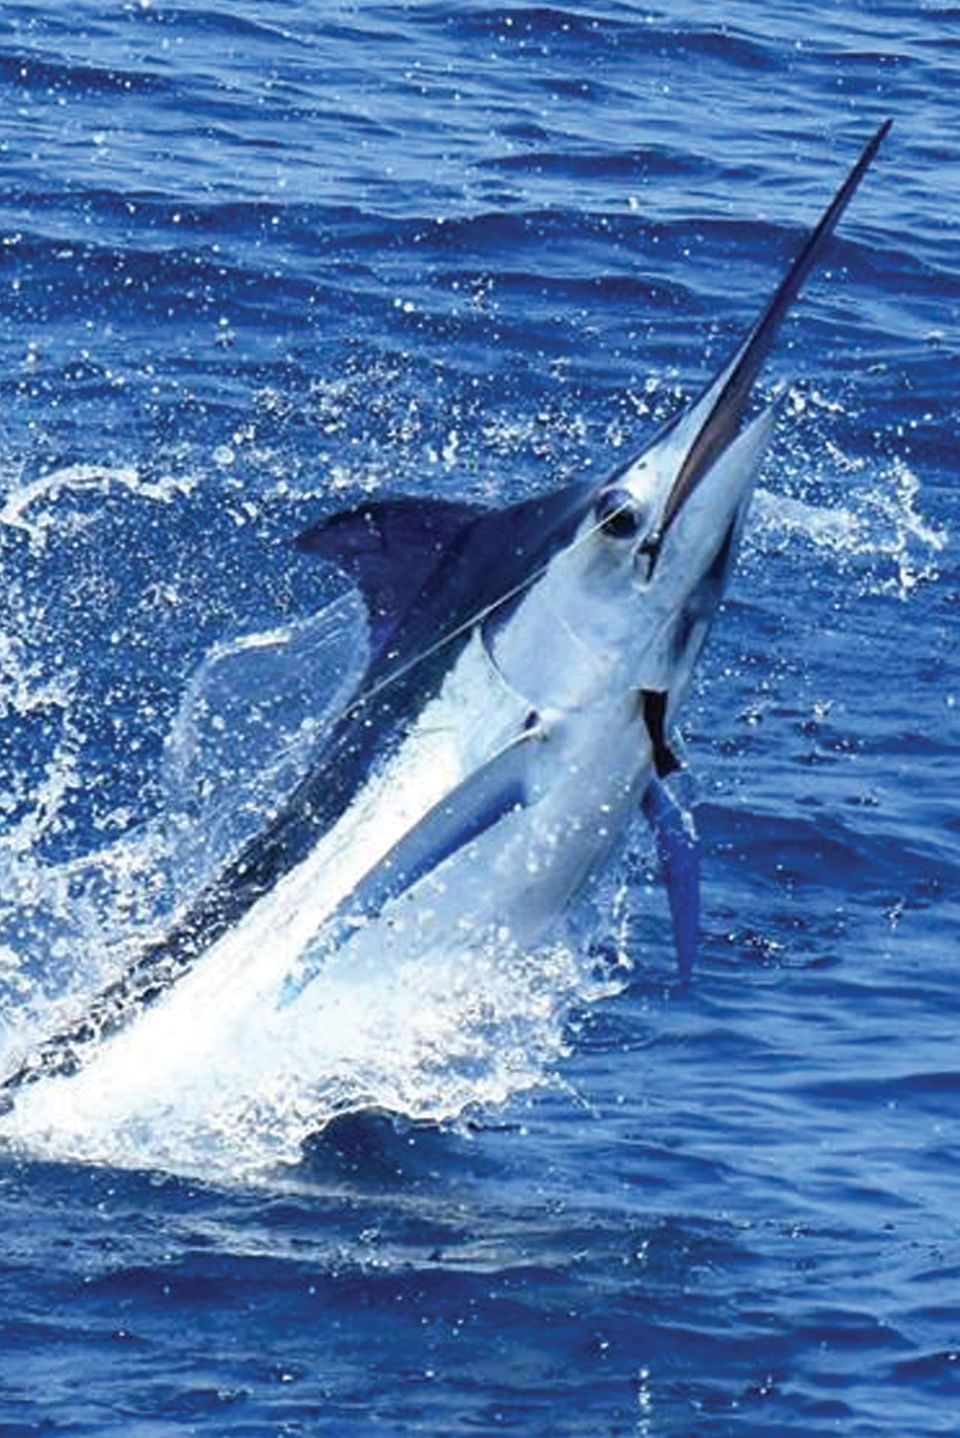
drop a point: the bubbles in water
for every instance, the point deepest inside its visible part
(427, 1036)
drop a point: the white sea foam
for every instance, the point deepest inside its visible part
(428, 1037)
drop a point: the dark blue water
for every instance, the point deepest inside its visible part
(256, 257)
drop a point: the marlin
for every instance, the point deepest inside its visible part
(527, 666)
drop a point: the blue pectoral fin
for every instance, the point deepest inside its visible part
(484, 797)
(670, 816)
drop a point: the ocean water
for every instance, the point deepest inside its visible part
(262, 258)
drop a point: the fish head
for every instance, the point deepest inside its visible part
(666, 531)
(645, 573)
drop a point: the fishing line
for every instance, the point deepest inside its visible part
(467, 625)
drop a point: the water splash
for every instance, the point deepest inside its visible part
(252, 717)
(878, 535)
(36, 508)
(428, 1037)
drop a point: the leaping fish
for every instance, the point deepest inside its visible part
(527, 666)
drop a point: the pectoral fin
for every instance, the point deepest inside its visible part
(670, 816)
(479, 801)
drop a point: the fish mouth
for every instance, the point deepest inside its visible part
(712, 441)
(712, 451)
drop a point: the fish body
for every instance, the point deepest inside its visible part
(527, 669)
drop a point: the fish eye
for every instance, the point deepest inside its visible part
(618, 514)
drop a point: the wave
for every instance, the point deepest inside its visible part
(29, 71)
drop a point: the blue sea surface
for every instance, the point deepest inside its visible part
(258, 260)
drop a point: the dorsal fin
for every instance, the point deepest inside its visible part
(427, 567)
(390, 548)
